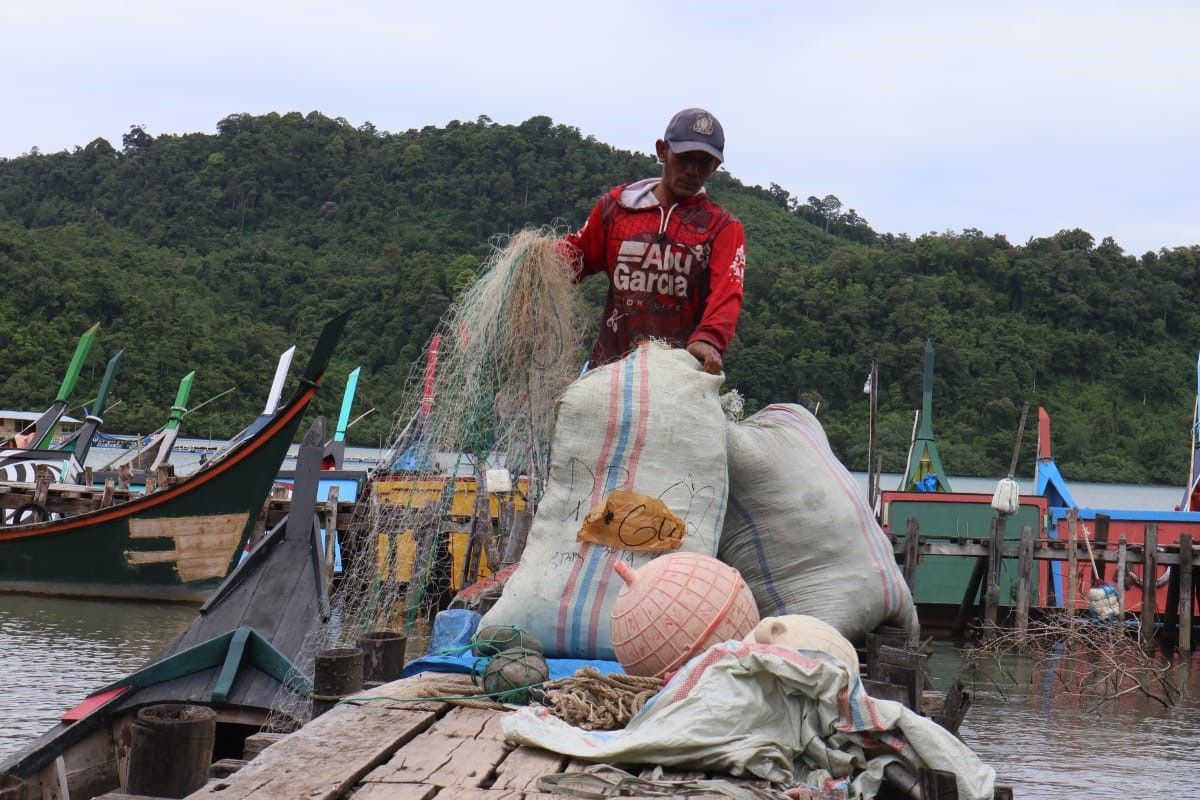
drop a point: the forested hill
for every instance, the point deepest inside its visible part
(216, 252)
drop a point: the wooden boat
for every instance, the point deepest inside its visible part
(925, 496)
(1191, 494)
(176, 543)
(1103, 527)
(63, 460)
(39, 434)
(941, 581)
(236, 657)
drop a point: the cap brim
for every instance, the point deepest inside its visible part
(689, 147)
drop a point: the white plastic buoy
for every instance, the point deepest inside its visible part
(1007, 498)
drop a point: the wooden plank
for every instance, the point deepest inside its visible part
(257, 742)
(472, 793)
(461, 749)
(522, 768)
(1149, 592)
(309, 764)
(1044, 551)
(395, 791)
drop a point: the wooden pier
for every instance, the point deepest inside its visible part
(392, 749)
(1177, 622)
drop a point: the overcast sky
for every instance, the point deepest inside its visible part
(1014, 118)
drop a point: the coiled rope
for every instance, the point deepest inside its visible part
(598, 702)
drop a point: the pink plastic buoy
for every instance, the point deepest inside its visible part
(676, 606)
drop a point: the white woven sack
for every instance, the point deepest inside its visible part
(800, 531)
(650, 423)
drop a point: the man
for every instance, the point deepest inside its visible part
(674, 259)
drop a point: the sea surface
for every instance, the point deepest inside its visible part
(54, 652)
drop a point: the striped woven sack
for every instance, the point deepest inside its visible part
(650, 423)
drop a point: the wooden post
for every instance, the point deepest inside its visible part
(518, 534)
(1186, 594)
(1102, 523)
(163, 476)
(992, 597)
(331, 532)
(1170, 626)
(912, 551)
(41, 486)
(938, 784)
(969, 598)
(106, 499)
(1024, 576)
(124, 475)
(1149, 591)
(1122, 559)
(87, 476)
(1072, 563)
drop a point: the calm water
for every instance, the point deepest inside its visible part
(1048, 746)
(53, 652)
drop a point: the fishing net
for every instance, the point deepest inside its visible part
(468, 453)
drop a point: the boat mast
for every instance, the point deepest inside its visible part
(1191, 496)
(81, 441)
(923, 456)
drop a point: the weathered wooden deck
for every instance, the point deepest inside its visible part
(395, 750)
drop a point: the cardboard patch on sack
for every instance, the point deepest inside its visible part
(626, 520)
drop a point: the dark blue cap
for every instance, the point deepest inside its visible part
(696, 129)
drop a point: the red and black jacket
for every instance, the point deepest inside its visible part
(674, 274)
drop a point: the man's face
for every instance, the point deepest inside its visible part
(684, 174)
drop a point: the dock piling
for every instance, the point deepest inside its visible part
(1186, 594)
(1072, 564)
(992, 596)
(1024, 579)
(912, 551)
(1122, 561)
(1149, 570)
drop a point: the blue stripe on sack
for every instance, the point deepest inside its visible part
(583, 599)
(857, 715)
(760, 555)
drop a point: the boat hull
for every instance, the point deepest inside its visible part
(175, 544)
(941, 580)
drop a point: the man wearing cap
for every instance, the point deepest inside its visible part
(674, 259)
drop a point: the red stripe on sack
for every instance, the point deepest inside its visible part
(642, 404)
(599, 479)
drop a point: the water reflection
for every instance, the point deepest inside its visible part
(1050, 745)
(1046, 745)
(54, 651)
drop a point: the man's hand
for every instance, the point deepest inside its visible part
(708, 356)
